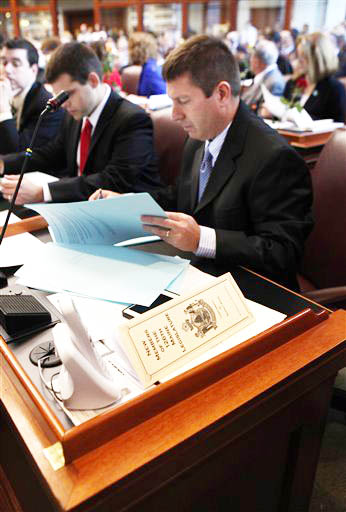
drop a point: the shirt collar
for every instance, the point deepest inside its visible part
(214, 146)
(259, 77)
(95, 115)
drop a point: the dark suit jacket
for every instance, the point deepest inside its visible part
(258, 199)
(327, 101)
(121, 155)
(13, 140)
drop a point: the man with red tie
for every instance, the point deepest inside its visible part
(104, 142)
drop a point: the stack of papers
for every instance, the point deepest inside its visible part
(83, 260)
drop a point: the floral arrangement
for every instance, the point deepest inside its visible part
(108, 72)
(296, 94)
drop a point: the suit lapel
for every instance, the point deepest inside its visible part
(224, 167)
(75, 136)
(28, 105)
(105, 118)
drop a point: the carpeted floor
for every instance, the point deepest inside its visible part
(329, 493)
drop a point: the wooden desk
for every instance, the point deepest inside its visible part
(308, 144)
(246, 438)
(306, 140)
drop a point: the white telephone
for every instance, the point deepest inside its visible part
(83, 381)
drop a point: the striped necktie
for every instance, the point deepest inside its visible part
(204, 173)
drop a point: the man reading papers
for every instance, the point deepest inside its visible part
(105, 141)
(244, 195)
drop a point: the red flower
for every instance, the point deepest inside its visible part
(301, 83)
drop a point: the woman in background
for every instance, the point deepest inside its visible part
(143, 52)
(316, 89)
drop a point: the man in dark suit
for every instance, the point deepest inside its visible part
(244, 195)
(105, 141)
(22, 99)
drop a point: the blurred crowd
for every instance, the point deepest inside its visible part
(298, 66)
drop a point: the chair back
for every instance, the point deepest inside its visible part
(169, 138)
(130, 78)
(324, 262)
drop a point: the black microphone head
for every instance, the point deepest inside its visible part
(54, 103)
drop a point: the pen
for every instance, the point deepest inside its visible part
(100, 194)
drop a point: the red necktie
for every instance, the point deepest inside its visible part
(85, 139)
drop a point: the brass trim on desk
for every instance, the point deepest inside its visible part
(55, 456)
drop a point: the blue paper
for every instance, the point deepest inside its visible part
(110, 273)
(106, 221)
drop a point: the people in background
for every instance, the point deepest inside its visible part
(143, 52)
(243, 196)
(48, 46)
(264, 67)
(22, 99)
(111, 75)
(315, 87)
(104, 142)
(283, 62)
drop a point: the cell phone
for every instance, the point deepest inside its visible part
(136, 309)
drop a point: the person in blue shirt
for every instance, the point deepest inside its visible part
(143, 52)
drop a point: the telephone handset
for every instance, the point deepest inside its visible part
(83, 382)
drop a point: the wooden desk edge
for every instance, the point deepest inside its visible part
(26, 225)
(145, 442)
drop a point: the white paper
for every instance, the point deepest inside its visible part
(158, 101)
(15, 249)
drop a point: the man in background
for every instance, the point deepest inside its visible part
(22, 99)
(263, 64)
(104, 142)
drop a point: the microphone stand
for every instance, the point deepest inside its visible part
(24, 314)
(52, 105)
(28, 154)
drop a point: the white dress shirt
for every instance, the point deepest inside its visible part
(207, 242)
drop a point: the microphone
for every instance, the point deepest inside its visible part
(54, 103)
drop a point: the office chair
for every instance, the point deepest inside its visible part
(130, 78)
(323, 274)
(323, 271)
(169, 138)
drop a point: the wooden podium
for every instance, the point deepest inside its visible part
(240, 432)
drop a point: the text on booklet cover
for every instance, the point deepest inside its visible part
(165, 338)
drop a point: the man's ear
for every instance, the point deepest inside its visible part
(224, 91)
(94, 79)
(35, 68)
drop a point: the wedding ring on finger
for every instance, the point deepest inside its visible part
(167, 233)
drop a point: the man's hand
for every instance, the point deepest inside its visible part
(6, 94)
(28, 192)
(179, 230)
(102, 194)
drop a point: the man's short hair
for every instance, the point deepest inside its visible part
(76, 59)
(23, 44)
(208, 61)
(267, 52)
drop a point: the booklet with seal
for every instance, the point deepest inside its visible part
(161, 340)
